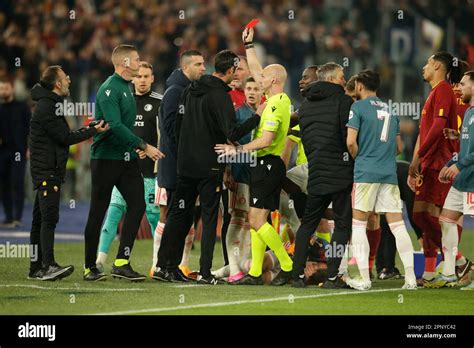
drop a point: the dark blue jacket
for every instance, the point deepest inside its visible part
(14, 126)
(167, 166)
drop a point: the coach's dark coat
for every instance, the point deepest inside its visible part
(323, 117)
(167, 167)
(208, 119)
(50, 138)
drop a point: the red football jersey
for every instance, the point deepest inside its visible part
(238, 98)
(441, 102)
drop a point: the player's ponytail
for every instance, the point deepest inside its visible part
(455, 67)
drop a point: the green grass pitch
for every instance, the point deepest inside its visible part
(72, 296)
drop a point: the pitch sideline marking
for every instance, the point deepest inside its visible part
(231, 303)
(39, 287)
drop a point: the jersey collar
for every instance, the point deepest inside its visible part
(143, 95)
(120, 78)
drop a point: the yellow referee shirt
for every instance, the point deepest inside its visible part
(301, 159)
(275, 118)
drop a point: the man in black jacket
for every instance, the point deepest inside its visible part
(50, 138)
(322, 118)
(207, 118)
(191, 68)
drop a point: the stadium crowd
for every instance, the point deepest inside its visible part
(345, 175)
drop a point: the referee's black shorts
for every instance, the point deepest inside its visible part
(266, 180)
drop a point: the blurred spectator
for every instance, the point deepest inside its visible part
(14, 129)
(80, 36)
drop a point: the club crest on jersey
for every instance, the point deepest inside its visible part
(107, 92)
(273, 108)
(148, 107)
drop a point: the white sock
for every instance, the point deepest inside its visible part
(157, 241)
(461, 261)
(449, 242)
(361, 247)
(232, 242)
(245, 265)
(101, 258)
(188, 244)
(287, 209)
(344, 261)
(222, 272)
(245, 243)
(404, 248)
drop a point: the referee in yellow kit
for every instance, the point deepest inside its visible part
(267, 176)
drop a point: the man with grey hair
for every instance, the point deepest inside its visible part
(322, 118)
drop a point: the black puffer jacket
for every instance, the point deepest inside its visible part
(323, 117)
(50, 137)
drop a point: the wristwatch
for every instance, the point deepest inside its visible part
(248, 44)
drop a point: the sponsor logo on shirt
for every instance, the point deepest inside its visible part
(139, 121)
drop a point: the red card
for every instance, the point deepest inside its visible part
(252, 23)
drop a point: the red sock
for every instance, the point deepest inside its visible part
(459, 254)
(430, 264)
(374, 240)
(429, 247)
(425, 221)
(435, 230)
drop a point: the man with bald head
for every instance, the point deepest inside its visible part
(268, 173)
